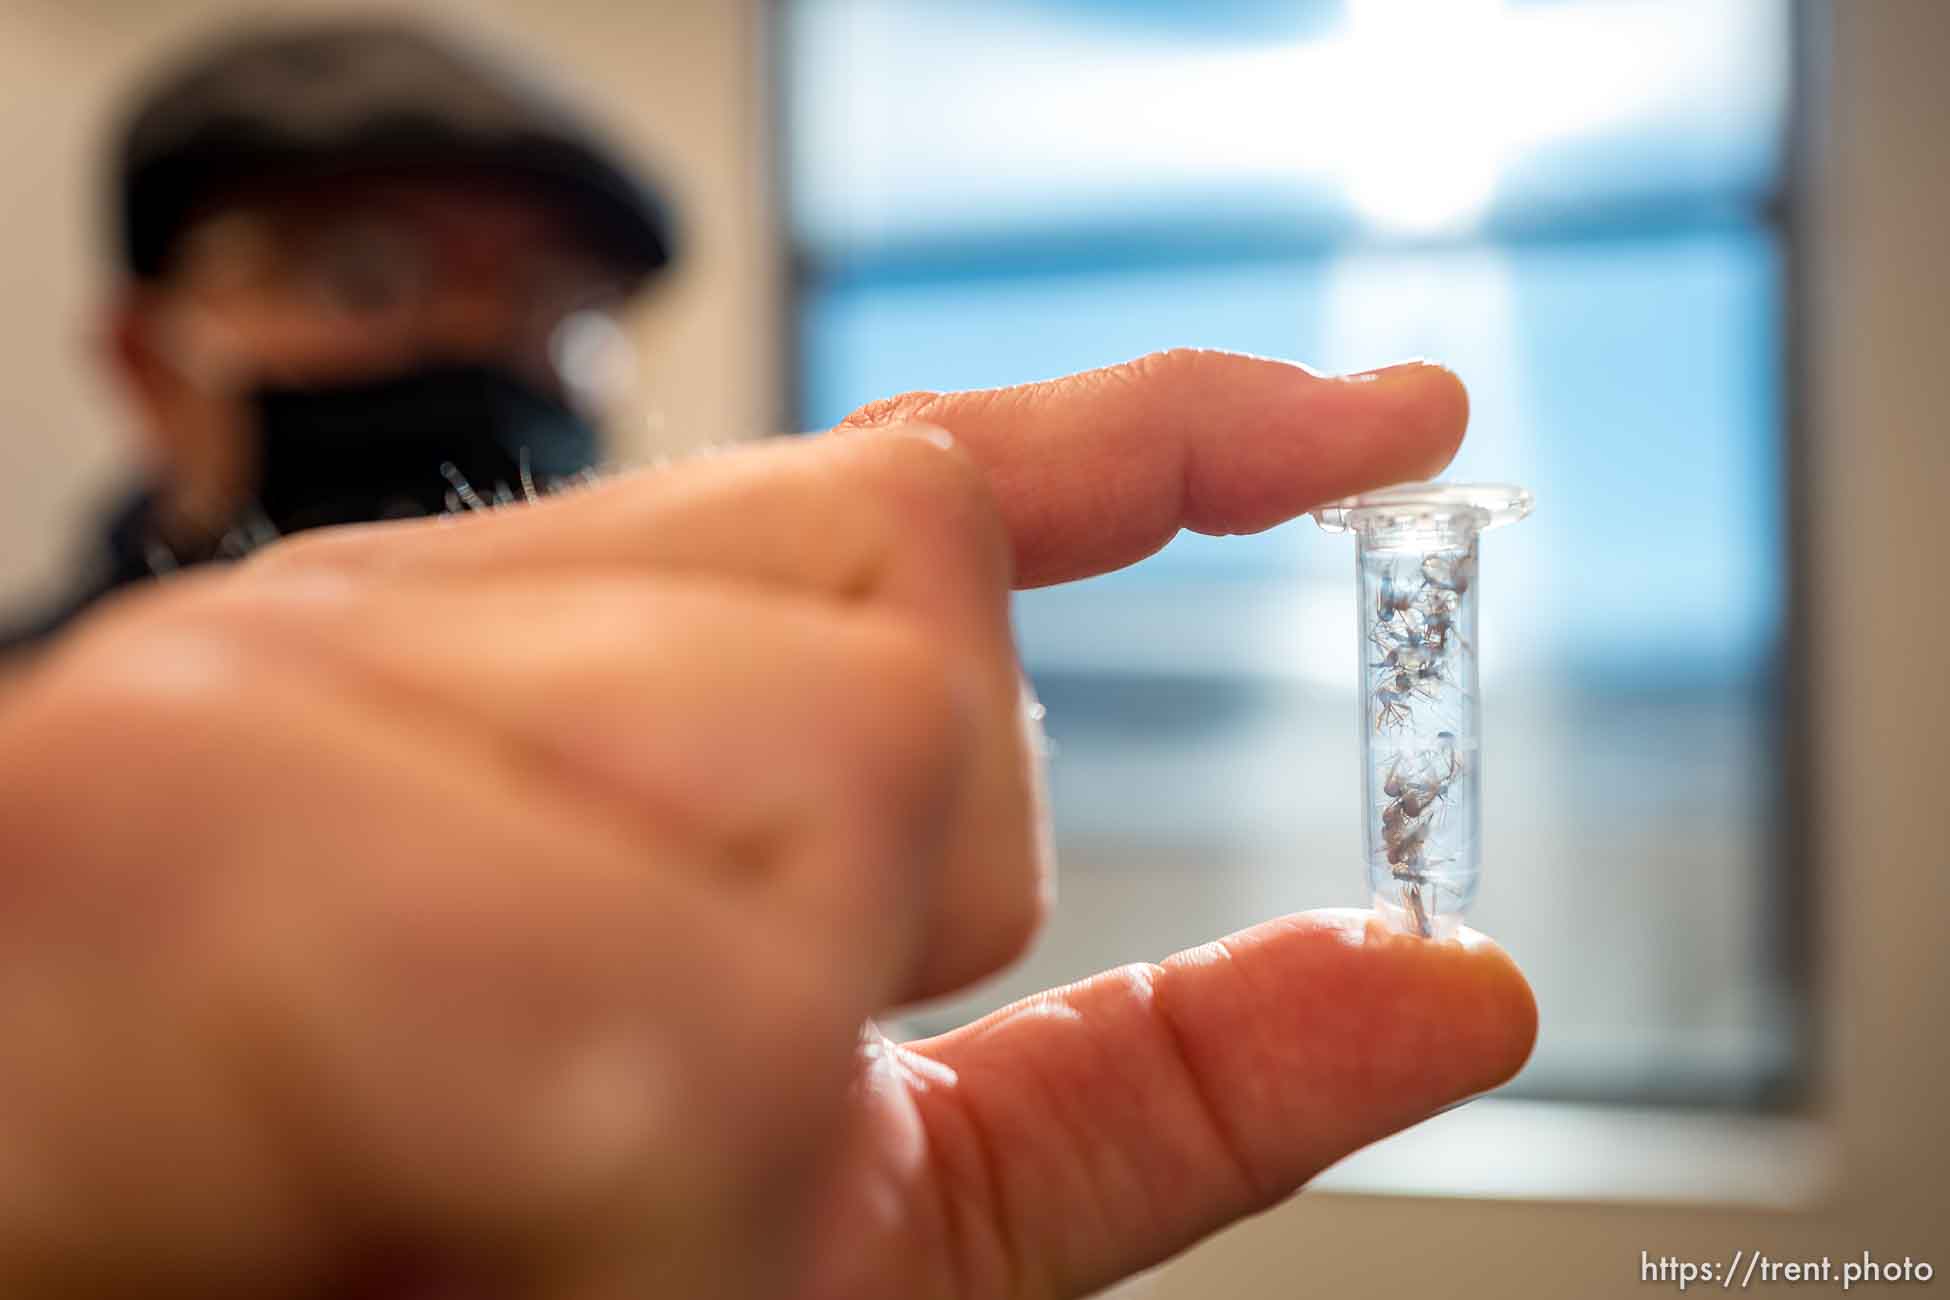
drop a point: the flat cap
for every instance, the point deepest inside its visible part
(341, 97)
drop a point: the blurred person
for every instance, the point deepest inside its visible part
(364, 264)
(492, 907)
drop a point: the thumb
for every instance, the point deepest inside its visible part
(1116, 1121)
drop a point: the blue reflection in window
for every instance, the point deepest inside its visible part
(1632, 382)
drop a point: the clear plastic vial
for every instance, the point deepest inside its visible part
(1421, 714)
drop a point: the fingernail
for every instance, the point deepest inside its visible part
(1389, 371)
(1454, 1105)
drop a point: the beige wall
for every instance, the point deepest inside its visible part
(675, 80)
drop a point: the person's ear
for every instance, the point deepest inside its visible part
(129, 350)
(189, 436)
(125, 346)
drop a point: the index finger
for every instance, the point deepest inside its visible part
(1097, 470)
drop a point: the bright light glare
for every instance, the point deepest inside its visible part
(1415, 114)
(1423, 136)
(594, 359)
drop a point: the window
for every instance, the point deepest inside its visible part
(1576, 205)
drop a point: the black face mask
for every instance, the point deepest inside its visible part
(350, 453)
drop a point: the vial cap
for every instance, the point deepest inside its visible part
(1491, 505)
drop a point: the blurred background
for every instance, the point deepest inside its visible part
(1576, 205)
(1686, 253)
(676, 86)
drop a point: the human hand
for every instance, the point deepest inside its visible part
(494, 904)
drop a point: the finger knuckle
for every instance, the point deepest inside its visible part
(194, 657)
(185, 696)
(1173, 365)
(132, 718)
(938, 509)
(268, 624)
(905, 408)
(325, 548)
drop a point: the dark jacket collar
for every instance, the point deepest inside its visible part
(130, 551)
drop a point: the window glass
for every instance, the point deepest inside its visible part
(986, 194)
